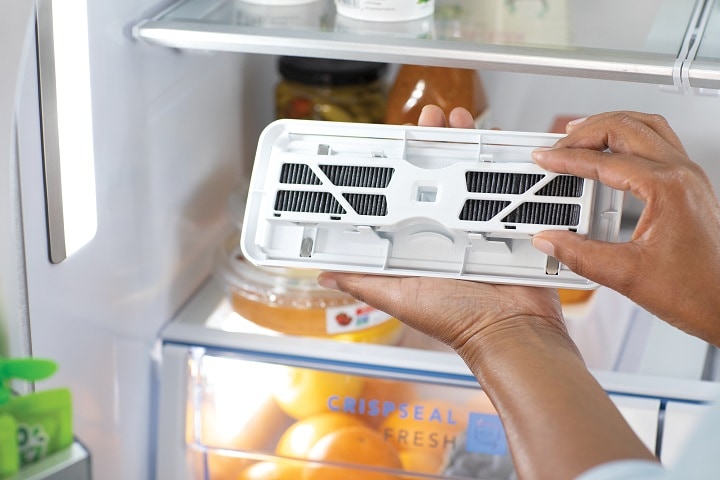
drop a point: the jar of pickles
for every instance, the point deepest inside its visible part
(331, 90)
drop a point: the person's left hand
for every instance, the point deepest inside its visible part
(456, 312)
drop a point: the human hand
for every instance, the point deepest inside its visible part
(670, 265)
(514, 341)
(458, 313)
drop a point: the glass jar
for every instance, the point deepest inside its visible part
(417, 85)
(290, 301)
(331, 90)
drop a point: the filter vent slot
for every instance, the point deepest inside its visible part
(363, 204)
(500, 182)
(567, 214)
(563, 186)
(307, 202)
(481, 210)
(298, 174)
(358, 176)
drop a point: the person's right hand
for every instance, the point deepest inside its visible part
(671, 265)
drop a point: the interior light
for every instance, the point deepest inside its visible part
(74, 123)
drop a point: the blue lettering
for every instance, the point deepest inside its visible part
(373, 408)
(388, 408)
(361, 406)
(450, 419)
(403, 410)
(349, 406)
(418, 415)
(435, 416)
(331, 403)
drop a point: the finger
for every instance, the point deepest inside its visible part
(382, 292)
(609, 264)
(461, 118)
(432, 116)
(644, 135)
(618, 171)
(658, 123)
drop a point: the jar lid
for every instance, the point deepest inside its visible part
(329, 72)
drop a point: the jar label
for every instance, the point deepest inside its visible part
(353, 317)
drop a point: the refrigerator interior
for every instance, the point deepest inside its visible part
(135, 317)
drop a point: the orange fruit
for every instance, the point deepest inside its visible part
(224, 467)
(300, 437)
(421, 462)
(379, 391)
(430, 426)
(277, 470)
(304, 392)
(359, 445)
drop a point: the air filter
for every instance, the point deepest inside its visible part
(419, 201)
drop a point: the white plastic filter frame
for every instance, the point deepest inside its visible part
(416, 201)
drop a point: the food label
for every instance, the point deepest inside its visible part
(485, 434)
(353, 317)
(32, 443)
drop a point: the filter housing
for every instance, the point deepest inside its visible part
(416, 201)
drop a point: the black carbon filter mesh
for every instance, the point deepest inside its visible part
(298, 174)
(500, 182)
(563, 186)
(566, 214)
(363, 204)
(307, 202)
(358, 176)
(481, 210)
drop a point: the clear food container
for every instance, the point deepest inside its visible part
(331, 90)
(289, 301)
(385, 10)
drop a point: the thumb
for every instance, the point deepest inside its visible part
(609, 264)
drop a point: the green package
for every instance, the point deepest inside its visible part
(42, 420)
(9, 457)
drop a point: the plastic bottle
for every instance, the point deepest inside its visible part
(416, 86)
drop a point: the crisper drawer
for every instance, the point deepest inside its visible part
(250, 416)
(250, 419)
(237, 402)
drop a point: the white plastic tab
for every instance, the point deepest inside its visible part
(419, 201)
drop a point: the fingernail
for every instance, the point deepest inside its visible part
(327, 282)
(539, 152)
(577, 120)
(544, 246)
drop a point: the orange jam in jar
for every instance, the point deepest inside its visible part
(289, 301)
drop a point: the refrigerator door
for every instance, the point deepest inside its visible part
(17, 57)
(20, 142)
(168, 133)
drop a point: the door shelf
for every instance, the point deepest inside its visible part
(650, 40)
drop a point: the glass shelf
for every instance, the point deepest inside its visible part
(704, 71)
(641, 41)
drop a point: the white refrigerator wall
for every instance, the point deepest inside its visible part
(172, 131)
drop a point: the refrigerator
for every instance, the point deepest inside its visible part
(127, 137)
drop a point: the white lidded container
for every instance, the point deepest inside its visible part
(279, 2)
(385, 10)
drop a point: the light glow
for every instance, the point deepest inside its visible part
(74, 117)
